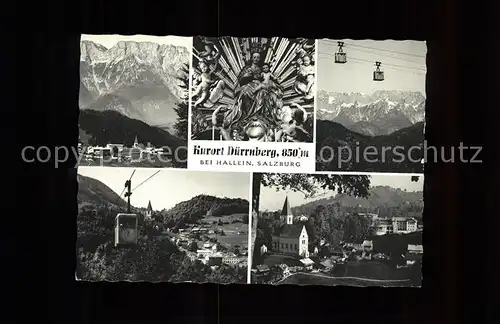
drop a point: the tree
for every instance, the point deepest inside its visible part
(357, 228)
(311, 185)
(193, 247)
(181, 126)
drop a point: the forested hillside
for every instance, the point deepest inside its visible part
(192, 210)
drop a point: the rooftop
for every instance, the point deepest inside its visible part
(291, 231)
(307, 261)
(286, 210)
(263, 267)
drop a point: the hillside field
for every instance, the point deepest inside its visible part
(231, 230)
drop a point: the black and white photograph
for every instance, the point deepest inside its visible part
(253, 89)
(162, 225)
(134, 100)
(371, 106)
(337, 230)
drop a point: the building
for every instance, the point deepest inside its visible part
(308, 263)
(367, 245)
(398, 225)
(293, 238)
(136, 142)
(243, 263)
(263, 249)
(202, 254)
(415, 248)
(404, 225)
(303, 218)
(149, 211)
(411, 225)
(232, 259)
(263, 269)
(116, 149)
(383, 226)
(356, 244)
(214, 259)
(415, 252)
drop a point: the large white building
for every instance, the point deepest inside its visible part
(396, 225)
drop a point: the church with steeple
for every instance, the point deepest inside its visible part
(149, 211)
(293, 238)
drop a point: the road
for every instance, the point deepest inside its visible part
(343, 279)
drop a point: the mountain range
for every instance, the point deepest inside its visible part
(92, 192)
(137, 79)
(380, 113)
(379, 196)
(103, 127)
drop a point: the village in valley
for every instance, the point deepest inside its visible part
(113, 154)
(201, 238)
(335, 243)
(213, 241)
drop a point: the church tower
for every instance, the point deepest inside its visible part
(286, 212)
(136, 142)
(149, 211)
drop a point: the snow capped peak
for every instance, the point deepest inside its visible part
(389, 109)
(138, 79)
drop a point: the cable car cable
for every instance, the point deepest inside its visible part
(392, 68)
(373, 53)
(377, 49)
(385, 50)
(146, 180)
(386, 64)
(393, 65)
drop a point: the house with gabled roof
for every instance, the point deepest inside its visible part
(293, 238)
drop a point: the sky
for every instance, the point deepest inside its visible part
(357, 74)
(110, 40)
(272, 200)
(170, 187)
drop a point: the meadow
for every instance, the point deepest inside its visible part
(232, 225)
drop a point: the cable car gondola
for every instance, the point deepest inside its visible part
(340, 56)
(126, 229)
(378, 75)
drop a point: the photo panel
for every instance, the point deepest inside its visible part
(252, 104)
(371, 106)
(337, 230)
(162, 225)
(134, 101)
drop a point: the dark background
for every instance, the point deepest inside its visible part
(40, 45)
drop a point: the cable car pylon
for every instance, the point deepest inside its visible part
(378, 75)
(340, 56)
(126, 224)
